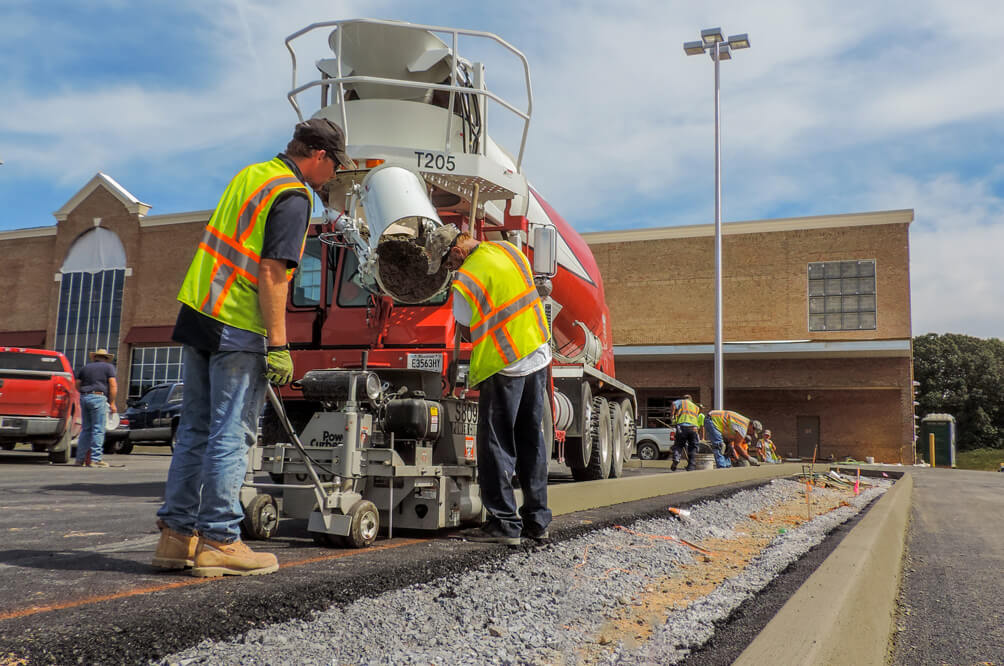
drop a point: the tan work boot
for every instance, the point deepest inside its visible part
(174, 550)
(215, 558)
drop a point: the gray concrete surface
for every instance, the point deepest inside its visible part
(843, 614)
(952, 599)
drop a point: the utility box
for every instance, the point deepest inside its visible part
(942, 426)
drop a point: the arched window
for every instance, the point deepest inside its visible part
(90, 296)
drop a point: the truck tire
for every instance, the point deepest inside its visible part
(8, 446)
(120, 446)
(627, 416)
(547, 429)
(60, 453)
(616, 441)
(598, 436)
(647, 450)
(578, 450)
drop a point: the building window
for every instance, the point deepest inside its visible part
(90, 296)
(151, 366)
(90, 313)
(842, 295)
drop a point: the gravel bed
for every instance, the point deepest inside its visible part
(542, 606)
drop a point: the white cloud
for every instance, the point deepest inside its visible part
(839, 106)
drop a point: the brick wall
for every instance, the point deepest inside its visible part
(662, 290)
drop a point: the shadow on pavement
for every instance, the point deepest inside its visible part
(74, 560)
(154, 489)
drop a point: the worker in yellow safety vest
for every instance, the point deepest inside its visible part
(495, 296)
(686, 416)
(727, 433)
(232, 328)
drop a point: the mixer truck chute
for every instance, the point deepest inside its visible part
(382, 409)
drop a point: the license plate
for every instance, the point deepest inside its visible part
(430, 362)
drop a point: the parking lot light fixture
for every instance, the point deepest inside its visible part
(739, 41)
(712, 41)
(712, 35)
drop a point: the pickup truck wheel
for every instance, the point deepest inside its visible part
(120, 446)
(616, 441)
(599, 438)
(8, 446)
(174, 435)
(648, 451)
(261, 517)
(60, 453)
(37, 447)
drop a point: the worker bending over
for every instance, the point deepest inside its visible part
(688, 419)
(725, 430)
(495, 296)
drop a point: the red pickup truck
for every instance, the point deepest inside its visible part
(39, 401)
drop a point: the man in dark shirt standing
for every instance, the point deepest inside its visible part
(232, 324)
(97, 386)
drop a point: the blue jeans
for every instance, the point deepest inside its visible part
(510, 411)
(93, 417)
(224, 396)
(717, 445)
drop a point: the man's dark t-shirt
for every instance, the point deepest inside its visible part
(284, 230)
(94, 376)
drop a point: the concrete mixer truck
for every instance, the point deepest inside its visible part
(381, 409)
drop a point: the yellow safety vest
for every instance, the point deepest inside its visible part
(687, 413)
(726, 421)
(222, 281)
(508, 320)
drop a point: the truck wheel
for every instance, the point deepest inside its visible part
(616, 441)
(60, 453)
(547, 428)
(648, 450)
(599, 438)
(365, 524)
(261, 517)
(578, 450)
(37, 447)
(627, 418)
(8, 446)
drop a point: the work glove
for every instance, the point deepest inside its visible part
(280, 366)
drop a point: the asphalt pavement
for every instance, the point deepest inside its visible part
(952, 596)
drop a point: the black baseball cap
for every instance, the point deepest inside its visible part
(322, 134)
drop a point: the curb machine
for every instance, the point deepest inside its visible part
(380, 428)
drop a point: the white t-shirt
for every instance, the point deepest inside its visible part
(529, 364)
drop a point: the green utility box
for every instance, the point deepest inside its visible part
(942, 426)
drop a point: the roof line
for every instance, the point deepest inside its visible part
(901, 216)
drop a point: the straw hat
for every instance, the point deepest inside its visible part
(102, 353)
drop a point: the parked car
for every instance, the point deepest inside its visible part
(654, 443)
(117, 438)
(39, 401)
(153, 417)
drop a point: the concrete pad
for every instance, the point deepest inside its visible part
(845, 612)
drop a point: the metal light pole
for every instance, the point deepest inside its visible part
(711, 40)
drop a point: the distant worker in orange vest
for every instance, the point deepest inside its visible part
(686, 416)
(725, 429)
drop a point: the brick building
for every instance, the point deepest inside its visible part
(816, 312)
(816, 326)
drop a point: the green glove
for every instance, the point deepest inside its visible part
(280, 366)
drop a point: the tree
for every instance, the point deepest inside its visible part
(963, 376)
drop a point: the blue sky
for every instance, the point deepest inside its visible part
(840, 106)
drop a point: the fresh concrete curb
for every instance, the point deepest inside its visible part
(571, 497)
(845, 612)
